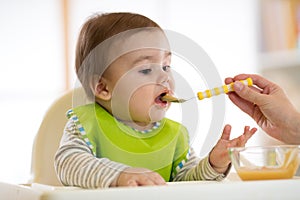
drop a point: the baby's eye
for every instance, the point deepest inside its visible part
(145, 71)
(166, 68)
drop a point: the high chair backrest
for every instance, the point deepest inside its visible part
(47, 141)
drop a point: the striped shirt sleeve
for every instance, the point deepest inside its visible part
(195, 169)
(76, 165)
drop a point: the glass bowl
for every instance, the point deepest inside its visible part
(265, 162)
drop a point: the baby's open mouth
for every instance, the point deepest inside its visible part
(159, 99)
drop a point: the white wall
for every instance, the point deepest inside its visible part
(31, 78)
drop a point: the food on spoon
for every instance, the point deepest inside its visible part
(171, 98)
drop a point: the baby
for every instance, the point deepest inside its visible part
(123, 138)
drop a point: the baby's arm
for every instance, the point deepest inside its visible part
(216, 165)
(76, 166)
(196, 170)
(219, 157)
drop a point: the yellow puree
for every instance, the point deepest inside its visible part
(285, 172)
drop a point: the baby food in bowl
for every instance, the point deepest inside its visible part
(265, 162)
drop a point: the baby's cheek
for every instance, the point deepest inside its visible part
(139, 105)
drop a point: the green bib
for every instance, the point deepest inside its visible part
(163, 150)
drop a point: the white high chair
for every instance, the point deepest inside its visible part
(43, 176)
(48, 138)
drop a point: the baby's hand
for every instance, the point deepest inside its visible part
(219, 158)
(139, 177)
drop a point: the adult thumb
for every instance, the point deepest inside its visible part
(246, 93)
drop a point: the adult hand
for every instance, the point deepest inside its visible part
(268, 105)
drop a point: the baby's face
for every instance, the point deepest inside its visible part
(138, 80)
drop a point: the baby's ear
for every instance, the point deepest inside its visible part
(101, 90)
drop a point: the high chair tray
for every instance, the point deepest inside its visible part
(231, 188)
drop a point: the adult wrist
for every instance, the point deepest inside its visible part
(294, 129)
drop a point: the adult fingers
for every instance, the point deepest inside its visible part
(248, 94)
(257, 80)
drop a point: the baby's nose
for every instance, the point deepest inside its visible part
(164, 77)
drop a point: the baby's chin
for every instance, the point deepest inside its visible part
(147, 120)
(157, 114)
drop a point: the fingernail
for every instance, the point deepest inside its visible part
(238, 86)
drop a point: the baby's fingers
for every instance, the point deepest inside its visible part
(242, 140)
(226, 132)
(139, 177)
(248, 133)
(151, 179)
(236, 142)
